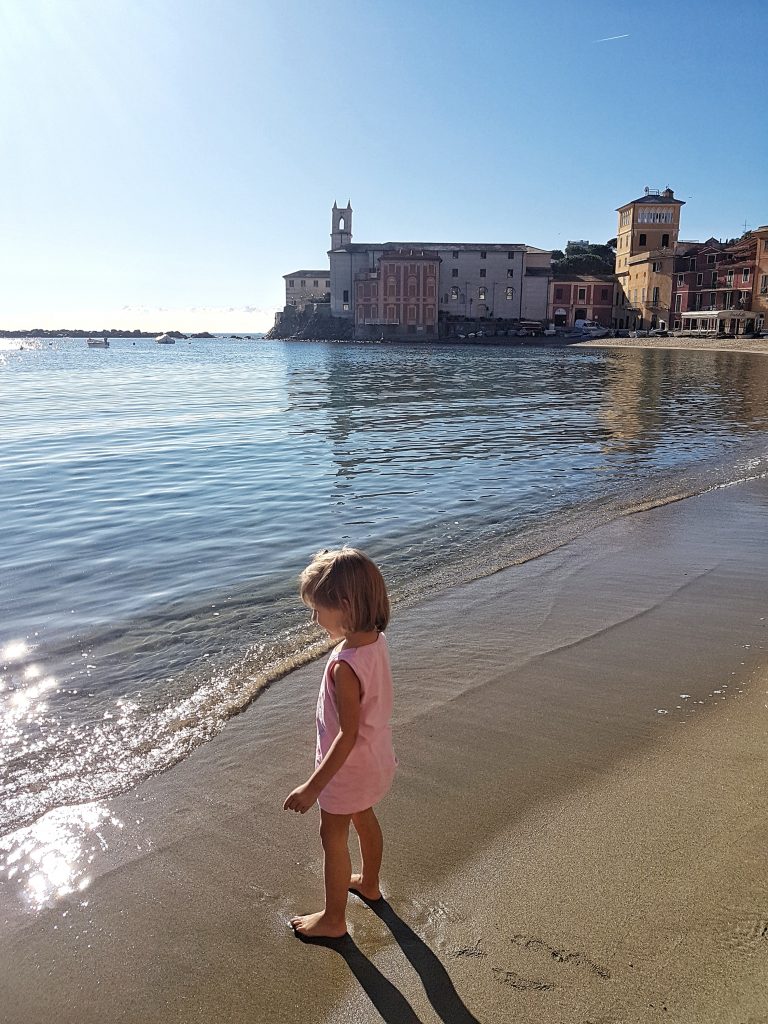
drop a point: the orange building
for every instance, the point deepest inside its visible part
(648, 229)
(398, 298)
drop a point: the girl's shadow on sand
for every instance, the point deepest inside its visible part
(388, 1000)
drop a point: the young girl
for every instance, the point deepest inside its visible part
(354, 761)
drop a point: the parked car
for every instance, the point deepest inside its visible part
(658, 332)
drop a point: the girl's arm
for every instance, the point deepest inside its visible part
(348, 704)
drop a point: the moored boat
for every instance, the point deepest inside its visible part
(98, 343)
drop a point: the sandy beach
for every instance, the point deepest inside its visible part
(576, 834)
(757, 345)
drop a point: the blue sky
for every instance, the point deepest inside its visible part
(164, 162)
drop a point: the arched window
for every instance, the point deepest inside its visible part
(342, 224)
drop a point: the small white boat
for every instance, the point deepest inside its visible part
(165, 339)
(591, 328)
(98, 343)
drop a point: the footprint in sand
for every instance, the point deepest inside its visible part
(514, 980)
(748, 935)
(562, 956)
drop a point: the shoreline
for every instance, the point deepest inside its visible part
(758, 346)
(557, 846)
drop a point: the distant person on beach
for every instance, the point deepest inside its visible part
(354, 760)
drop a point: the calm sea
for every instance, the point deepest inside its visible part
(158, 502)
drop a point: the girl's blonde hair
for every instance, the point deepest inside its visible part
(348, 579)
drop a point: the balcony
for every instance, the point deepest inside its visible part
(381, 322)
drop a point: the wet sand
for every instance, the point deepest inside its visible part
(569, 839)
(758, 345)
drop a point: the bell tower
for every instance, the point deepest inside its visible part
(341, 225)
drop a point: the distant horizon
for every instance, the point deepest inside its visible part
(175, 160)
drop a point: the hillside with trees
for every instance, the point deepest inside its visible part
(585, 259)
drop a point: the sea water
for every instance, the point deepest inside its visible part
(158, 502)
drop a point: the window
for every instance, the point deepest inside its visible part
(411, 314)
(764, 284)
(745, 274)
(713, 299)
(665, 241)
(765, 245)
(510, 272)
(657, 266)
(481, 293)
(641, 239)
(655, 296)
(699, 279)
(677, 325)
(327, 284)
(643, 299)
(510, 255)
(345, 307)
(482, 272)
(455, 254)
(345, 296)
(455, 272)
(678, 302)
(604, 294)
(582, 295)
(680, 280)
(714, 278)
(483, 254)
(455, 292)
(558, 294)
(711, 258)
(315, 284)
(509, 293)
(303, 284)
(291, 284)
(730, 278)
(692, 264)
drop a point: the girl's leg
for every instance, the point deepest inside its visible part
(331, 922)
(371, 848)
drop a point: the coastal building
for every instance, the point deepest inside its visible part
(648, 230)
(575, 297)
(760, 291)
(717, 280)
(304, 287)
(398, 298)
(475, 281)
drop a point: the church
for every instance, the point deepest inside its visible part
(432, 289)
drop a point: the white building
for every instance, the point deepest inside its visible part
(476, 280)
(303, 287)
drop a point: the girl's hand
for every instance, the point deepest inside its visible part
(301, 799)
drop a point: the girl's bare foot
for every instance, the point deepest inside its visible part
(370, 892)
(317, 926)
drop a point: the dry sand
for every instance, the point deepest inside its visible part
(758, 345)
(558, 850)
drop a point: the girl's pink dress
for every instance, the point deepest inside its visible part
(366, 775)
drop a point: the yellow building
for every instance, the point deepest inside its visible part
(760, 286)
(645, 245)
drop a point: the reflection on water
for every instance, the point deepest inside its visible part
(52, 858)
(157, 505)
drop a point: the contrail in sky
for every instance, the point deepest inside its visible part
(609, 39)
